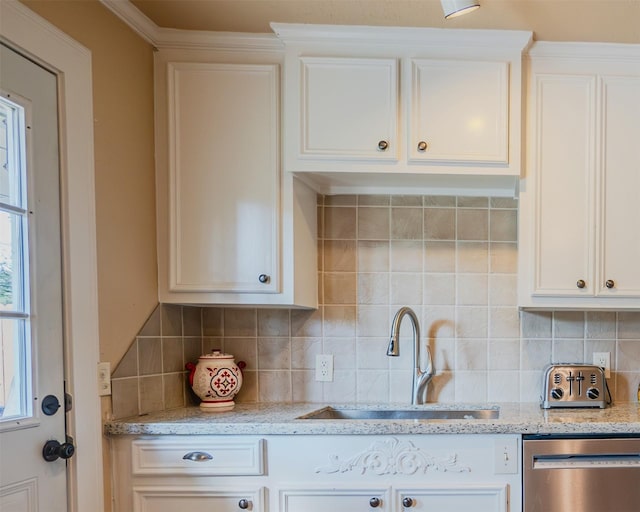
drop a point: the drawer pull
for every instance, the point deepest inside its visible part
(374, 502)
(243, 504)
(198, 456)
(407, 502)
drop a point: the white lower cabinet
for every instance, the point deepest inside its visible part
(333, 499)
(481, 498)
(172, 499)
(313, 473)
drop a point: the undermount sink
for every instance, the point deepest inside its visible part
(331, 413)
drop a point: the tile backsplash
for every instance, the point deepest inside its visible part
(452, 259)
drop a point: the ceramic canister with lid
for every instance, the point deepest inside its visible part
(216, 379)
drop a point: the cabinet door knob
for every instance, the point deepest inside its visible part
(610, 283)
(422, 146)
(243, 504)
(581, 283)
(407, 502)
(198, 456)
(374, 502)
(264, 278)
(383, 145)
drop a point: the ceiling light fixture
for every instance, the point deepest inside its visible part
(453, 8)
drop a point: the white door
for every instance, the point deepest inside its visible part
(619, 272)
(349, 109)
(225, 182)
(197, 500)
(564, 177)
(338, 500)
(30, 290)
(480, 498)
(459, 111)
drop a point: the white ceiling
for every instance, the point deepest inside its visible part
(551, 20)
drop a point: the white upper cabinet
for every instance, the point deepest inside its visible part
(362, 94)
(224, 177)
(579, 204)
(459, 113)
(403, 110)
(619, 236)
(232, 227)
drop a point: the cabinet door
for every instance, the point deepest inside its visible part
(349, 108)
(172, 499)
(564, 162)
(454, 499)
(459, 112)
(224, 178)
(337, 500)
(620, 214)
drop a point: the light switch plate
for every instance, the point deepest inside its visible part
(506, 456)
(104, 379)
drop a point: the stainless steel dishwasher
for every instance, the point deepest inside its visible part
(581, 474)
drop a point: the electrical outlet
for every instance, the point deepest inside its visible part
(603, 360)
(104, 379)
(324, 368)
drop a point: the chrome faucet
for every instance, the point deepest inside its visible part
(421, 378)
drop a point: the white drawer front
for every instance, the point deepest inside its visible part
(220, 456)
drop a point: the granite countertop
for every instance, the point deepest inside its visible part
(282, 419)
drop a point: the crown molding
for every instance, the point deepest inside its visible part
(298, 33)
(133, 17)
(585, 50)
(161, 37)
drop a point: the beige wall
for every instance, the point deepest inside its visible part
(124, 166)
(122, 67)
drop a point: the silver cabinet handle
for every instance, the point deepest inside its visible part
(374, 502)
(264, 278)
(610, 283)
(422, 146)
(383, 145)
(581, 283)
(243, 504)
(198, 456)
(407, 502)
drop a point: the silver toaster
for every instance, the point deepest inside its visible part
(573, 385)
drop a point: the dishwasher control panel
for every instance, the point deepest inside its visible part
(573, 385)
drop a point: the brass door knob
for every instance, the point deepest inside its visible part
(383, 145)
(422, 146)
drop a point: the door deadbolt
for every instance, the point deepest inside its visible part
(50, 405)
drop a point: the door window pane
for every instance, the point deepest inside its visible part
(12, 153)
(15, 400)
(11, 262)
(15, 342)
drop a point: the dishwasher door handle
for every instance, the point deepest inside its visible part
(587, 461)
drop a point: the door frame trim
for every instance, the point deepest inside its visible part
(32, 35)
